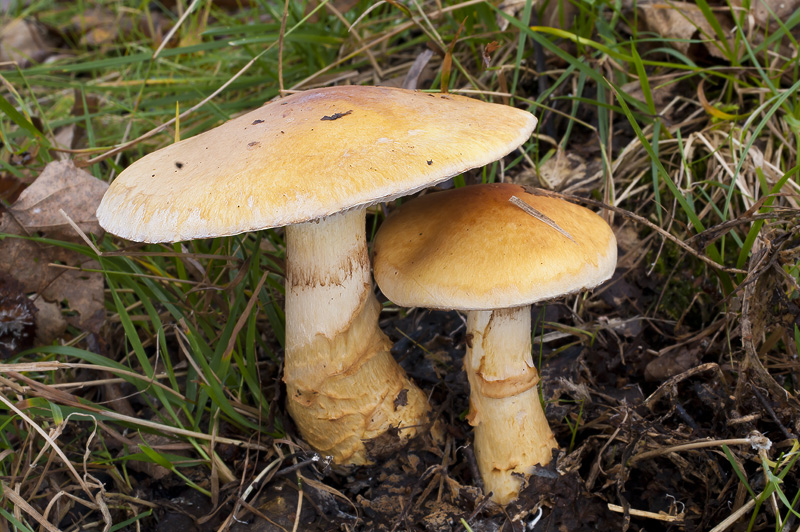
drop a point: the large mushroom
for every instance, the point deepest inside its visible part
(313, 162)
(473, 249)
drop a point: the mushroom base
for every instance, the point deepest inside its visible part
(343, 386)
(511, 431)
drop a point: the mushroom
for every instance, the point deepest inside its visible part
(313, 162)
(472, 249)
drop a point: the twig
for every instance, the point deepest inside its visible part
(299, 501)
(660, 516)
(281, 38)
(755, 440)
(539, 216)
(669, 384)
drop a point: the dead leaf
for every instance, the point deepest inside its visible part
(36, 213)
(11, 187)
(25, 42)
(768, 13)
(681, 22)
(488, 50)
(50, 323)
(61, 185)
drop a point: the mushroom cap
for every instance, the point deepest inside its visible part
(306, 156)
(470, 248)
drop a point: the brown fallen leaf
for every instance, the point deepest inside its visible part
(50, 323)
(11, 187)
(768, 14)
(36, 213)
(25, 42)
(684, 21)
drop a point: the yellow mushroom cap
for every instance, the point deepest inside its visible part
(306, 156)
(471, 248)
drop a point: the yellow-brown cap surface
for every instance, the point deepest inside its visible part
(472, 249)
(308, 155)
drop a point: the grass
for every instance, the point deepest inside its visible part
(193, 332)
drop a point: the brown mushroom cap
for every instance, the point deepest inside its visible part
(472, 249)
(309, 155)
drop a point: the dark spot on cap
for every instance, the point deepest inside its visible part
(253, 144)
(430, 162)
(336, 116)
(257, 122)
(281, 132)
(178, 165)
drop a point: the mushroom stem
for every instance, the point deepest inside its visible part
(511, 431)
(343, 385)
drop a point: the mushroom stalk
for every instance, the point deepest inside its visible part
(511, 431)
(343, 386)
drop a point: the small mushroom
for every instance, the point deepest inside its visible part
(313, 162)
(472, 249)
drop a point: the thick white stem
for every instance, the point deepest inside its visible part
(511, 431)
(344, 388)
